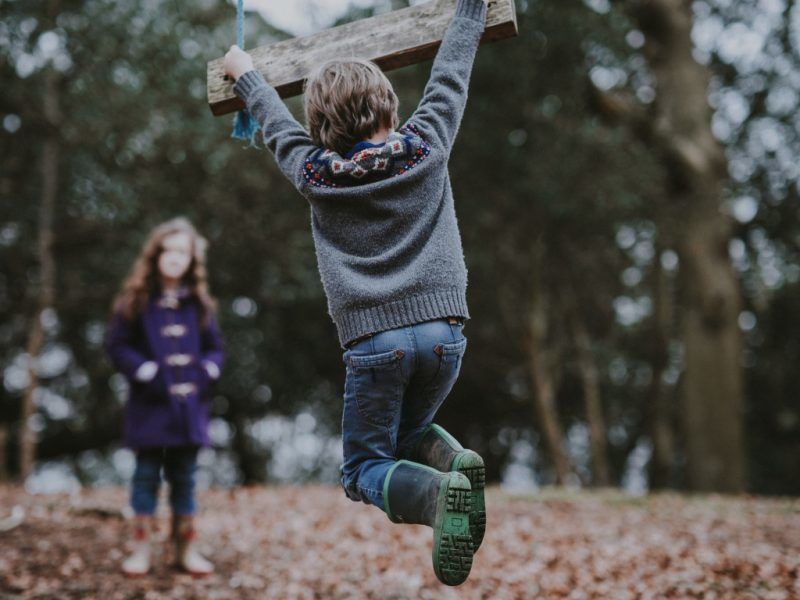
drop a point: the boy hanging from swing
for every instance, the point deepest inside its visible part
(392, 266)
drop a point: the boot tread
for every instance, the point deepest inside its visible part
(471, 464)
(455, 558)
(459, 500)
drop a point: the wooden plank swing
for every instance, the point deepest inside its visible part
(392, 40)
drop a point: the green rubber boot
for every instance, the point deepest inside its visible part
(440, 450)
(414, 493)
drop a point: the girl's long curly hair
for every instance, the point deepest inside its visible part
(143, 280)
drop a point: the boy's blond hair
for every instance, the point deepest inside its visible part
(348, 101)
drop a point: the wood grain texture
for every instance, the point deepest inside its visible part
(393, 40)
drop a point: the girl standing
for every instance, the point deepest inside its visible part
(164, 339)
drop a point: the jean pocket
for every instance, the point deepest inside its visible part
(375, 361)
(377, 385)
(451, 351)
(450, 356)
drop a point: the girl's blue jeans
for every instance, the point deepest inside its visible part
(396, 381)
(179, 465)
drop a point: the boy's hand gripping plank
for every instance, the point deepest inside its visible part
(391, 40)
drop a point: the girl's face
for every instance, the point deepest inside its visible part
(176, 256)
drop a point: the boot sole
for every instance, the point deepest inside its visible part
(452, 541)
(471, 464)
(196, 574)
(132, 575)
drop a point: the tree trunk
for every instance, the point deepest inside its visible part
(36, 335)
(590, 380)
(713, 387)
(253, 462)
(659, 409)
(3, 452)
(542, 378)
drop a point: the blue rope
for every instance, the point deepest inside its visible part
(244, 125)
(240, 24)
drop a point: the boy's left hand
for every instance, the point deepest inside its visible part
(237, 62)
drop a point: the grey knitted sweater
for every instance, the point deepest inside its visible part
(384, 224)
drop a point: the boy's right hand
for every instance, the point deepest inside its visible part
(237, 62)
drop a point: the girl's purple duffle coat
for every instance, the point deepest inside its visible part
(172, 409)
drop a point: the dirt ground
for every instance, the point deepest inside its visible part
(311, 542)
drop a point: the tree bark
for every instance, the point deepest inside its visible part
(3, 452)
(660, 412)
(253, 463)
(710, 294)
(543, 381)
(47, 268)
(590, 380)
(713, 395)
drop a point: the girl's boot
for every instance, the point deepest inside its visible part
(414, 493)
(186, 554)
(138, 562)
(440, 450)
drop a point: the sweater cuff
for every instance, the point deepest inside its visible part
(471, 9)
(248, 82)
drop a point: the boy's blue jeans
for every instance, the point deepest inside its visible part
(396, 381)
(179, 464)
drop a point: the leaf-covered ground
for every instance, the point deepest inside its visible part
(311, 542)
